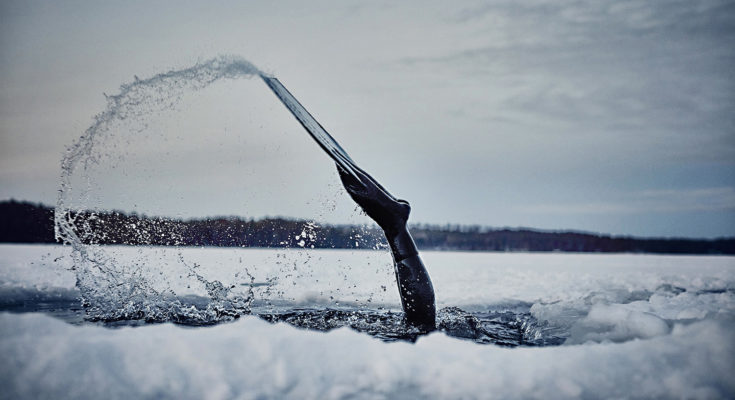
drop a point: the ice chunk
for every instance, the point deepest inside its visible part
(616, 323)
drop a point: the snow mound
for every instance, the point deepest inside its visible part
(618, 324)
(46, 358)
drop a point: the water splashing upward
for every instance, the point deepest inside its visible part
(136, 100)
(111, 290)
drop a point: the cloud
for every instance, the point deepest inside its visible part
(659, 73)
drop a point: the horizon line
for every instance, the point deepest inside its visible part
(481, 228)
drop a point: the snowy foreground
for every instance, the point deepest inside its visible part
(636, 327)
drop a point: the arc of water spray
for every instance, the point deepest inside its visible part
(159, 92)
(132, 95)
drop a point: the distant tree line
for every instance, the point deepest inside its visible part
(438, 238)
(23, 222)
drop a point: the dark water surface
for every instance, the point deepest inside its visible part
(510, 326)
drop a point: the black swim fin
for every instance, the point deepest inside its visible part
(325, 140)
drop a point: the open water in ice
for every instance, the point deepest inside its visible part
(302, 301)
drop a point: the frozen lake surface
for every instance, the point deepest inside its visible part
(554, 326)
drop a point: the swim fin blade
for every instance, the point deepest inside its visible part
(317, 132)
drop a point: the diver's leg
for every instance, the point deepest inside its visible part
(391, 214)
(414, 284)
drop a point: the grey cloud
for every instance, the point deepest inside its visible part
(661, 69)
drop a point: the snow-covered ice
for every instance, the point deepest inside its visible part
(636, 326)
(250, 358)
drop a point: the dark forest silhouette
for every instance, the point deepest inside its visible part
(24, 222)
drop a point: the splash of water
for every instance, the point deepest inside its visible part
(114, 289)
(137, 99)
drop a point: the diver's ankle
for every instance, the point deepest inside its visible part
(401, 244)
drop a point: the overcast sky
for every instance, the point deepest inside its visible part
(609, 116)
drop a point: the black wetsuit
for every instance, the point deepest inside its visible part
(391, 214)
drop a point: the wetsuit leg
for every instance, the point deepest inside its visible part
(391, 214)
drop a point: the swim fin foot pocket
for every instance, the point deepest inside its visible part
(389, 213)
